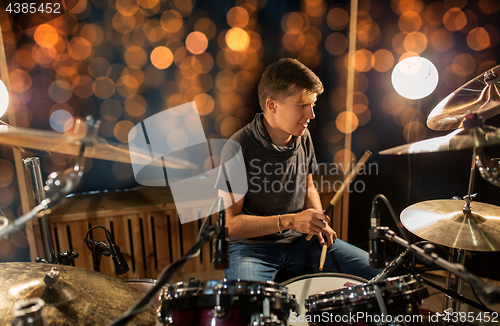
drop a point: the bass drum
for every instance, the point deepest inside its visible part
(306, 285)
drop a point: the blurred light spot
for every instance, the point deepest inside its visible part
(60, 91)
(224, 81)
(364, 116)
(409, 21)
(398, 43)
(363, 60)
(442, 40)
(162, 57)
(463, 65)
(206, 26)
(489, 6)
(61, 120)
(454, 19)
(79, 7)
(337, 19)
(414, 131)
(331, 133)
(127, 85)
(24, 57)
(229, 126)
(103, 87)
(122, 129)
(314, 8)
(382, 60)
(20, 81)
(92, 33)
(294, 23)
(6, 173)
(434, 13)
(196, 42)
(346, 122)
(238, 17)
(415, 42)
(455, 3)
(127, 7)
(368, 32)
(99, 67)
(171, 21)
(237, 39)
(148, 4)
(205, 104)
(336, 43)
(185, 7)
(4, 98)
(135, 57)
(136, 106)
(478, 39)
(82, 86)
(111, 109)
(46, 36)
(451, 79)
(340, 156)
(79, 48)
(414, 77)
(244, 81)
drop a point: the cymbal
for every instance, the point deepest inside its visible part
(81, 297)
(444, 222)
(458, 139)
(481, 95)
(70, 144)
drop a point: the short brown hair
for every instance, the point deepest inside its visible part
(283, 77)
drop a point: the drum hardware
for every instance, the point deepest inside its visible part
(28, 312)
(100, 248)
(72, 295)
(3, 222)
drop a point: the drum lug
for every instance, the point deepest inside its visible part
(165, 317)
(220, 312)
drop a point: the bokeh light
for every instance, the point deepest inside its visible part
(4, 98)
(414, 77)
(61, 120)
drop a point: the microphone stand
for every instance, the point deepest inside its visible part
(491, 293)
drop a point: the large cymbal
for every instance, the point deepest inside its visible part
(68, 143)
(456, 140)
(481, 95)
(81, 297)
(444, 222)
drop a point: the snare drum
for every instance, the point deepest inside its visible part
(394, 301)
(225, 303)
(304, 286)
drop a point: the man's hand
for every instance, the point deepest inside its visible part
(310, 221)
(329, 234)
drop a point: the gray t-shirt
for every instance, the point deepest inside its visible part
(276, 176)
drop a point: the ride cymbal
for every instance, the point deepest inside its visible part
(481, 95)
(79, 297)
(444, 222)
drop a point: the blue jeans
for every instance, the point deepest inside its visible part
(262, 262)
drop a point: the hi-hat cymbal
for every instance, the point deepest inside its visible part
(481, 95)
(444, 222)
(70, 144)
(456, 140)
(81, 297)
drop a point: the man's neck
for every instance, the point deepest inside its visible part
(278, 136)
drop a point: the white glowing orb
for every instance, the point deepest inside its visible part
(61, 120)
(4, 98)
(414, 77)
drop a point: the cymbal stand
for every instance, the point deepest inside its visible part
(456, 283)
(32, 164)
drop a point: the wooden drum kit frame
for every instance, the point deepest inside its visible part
(52, 293)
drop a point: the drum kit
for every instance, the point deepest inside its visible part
(47, 294)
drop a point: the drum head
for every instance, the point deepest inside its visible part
(304, 286)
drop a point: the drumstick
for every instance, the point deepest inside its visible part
(323, 257)
(350, 177)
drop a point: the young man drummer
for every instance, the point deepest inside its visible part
(268, 226)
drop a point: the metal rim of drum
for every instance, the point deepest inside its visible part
(406, 289)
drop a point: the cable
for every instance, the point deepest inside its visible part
(90, 230)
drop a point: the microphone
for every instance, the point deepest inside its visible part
(392, 267)
(121, 266)
(221, 250)
(376, 245)
(99, 247)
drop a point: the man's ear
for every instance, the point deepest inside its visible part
(271, 105)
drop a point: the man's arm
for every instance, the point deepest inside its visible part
(311, 221)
